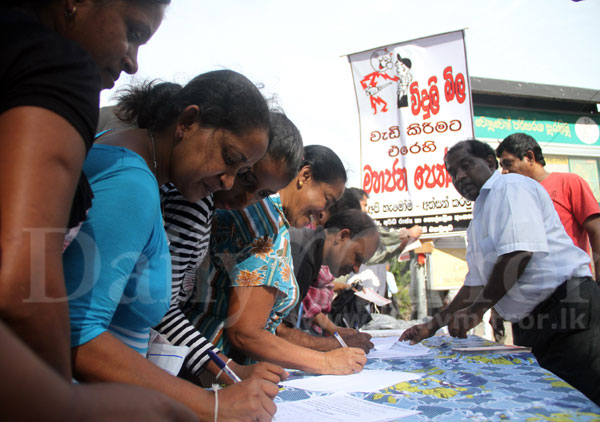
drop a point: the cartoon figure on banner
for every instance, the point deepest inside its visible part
(382, 62)
(403, 66)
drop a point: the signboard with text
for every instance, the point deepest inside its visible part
(414, 102)
(544, 126)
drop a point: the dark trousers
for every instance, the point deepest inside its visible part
(564, 334)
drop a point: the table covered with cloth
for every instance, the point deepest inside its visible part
(464, 386)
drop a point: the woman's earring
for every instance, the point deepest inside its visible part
(300, 183)
(71, 13)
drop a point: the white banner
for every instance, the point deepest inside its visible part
(414, 102)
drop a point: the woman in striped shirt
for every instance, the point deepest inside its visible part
(188, 227)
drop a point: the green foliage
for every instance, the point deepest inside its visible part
(401, 271)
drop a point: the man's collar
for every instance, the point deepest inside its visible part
(490, 182)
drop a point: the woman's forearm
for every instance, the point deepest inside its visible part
(249, 309)
(261, 344)
(107, 359)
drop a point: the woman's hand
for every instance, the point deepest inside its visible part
(261, 370)
(247, 401)
(344, 361)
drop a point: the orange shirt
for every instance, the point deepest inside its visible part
(574, 202)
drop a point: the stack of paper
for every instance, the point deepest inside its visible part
(368, 380)
(391, 348)
(385, 333)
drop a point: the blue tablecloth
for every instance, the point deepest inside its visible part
(475, 387)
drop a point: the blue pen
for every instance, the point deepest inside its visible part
(219, 362)
(300, 312)
(340, 339)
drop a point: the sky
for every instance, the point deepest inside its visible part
(295, 50)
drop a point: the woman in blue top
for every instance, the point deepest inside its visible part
(118, 268)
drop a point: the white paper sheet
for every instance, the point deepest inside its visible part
(368, 380)
(385, 333)
(165, 355)
(390, 348)
(338, 408)
(411, 246)
(383, 343)
(372, 296)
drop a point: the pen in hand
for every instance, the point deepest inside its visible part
(219, 362)
(340, 339)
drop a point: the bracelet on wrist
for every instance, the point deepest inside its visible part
(216, 388)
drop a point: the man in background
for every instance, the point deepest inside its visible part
(571, 195)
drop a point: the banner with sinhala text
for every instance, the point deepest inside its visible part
(414, 102)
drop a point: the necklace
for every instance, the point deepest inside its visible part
(153, 153)
(155, 162)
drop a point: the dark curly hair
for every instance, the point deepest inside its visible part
(475, 148)
(348, 201)
(285, 143)
(226, 99)
(44, 3)
(325, 164)
(359, 223)
(518, 144)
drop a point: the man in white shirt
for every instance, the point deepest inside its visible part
(522, 262)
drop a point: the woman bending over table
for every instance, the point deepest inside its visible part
(188, 228)
(247, 286)
(118, 268)
(56, 57)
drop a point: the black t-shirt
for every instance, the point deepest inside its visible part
(40, 68)
(307, 254)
